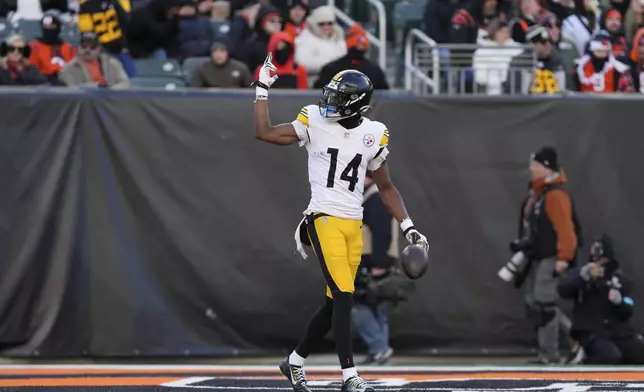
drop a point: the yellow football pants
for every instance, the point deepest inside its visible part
(337, 244)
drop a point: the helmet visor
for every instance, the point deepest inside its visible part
(334, 98)
(332, 101)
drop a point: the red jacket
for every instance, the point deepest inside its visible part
(291, 75)
(614, 77)
(49, 59)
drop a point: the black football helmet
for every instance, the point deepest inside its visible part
(347, 94)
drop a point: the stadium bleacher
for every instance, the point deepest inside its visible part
(151, 72)
(166, 82)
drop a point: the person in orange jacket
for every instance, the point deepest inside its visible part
(296, 18)
(290, 74)
(49, 54)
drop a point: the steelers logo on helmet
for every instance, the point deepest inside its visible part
(347, 94)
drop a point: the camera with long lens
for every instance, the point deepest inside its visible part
(518, 262)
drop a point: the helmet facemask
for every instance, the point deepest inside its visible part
(332, 102)
(337, 105)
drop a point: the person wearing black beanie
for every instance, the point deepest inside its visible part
(220, 70)
(49, 54)
(549, 236)
(603, 308)
(547, 157)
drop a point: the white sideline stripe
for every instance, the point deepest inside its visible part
(379, 369)
(186, 382)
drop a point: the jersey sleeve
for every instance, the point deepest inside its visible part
(301, 124)
(382, 152)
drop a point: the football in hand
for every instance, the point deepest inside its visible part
(414, 261)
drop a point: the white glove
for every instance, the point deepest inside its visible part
(265, 79)
(413, 235)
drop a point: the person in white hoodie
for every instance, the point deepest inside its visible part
(320, 43)
(492, 60)
(582, 24)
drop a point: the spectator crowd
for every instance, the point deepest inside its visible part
(603, 42)
(307, 43)
(516, 46)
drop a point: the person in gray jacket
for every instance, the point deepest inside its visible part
(91, 67)
(220, 71)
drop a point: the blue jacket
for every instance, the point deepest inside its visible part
(194, 39)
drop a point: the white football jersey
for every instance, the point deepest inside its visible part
(338, 161)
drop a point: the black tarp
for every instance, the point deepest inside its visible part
(154, 223)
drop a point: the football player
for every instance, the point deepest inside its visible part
(342, 145)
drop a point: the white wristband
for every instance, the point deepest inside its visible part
(261, 92)
(406, 224)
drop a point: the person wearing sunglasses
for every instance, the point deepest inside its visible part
(91, 67)
(320, 43)
(15, 68)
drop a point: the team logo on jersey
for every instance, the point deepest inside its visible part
(368, 140)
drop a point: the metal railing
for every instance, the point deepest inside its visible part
(451, 69)
(412, 68)
(379, 42)
(486, 70)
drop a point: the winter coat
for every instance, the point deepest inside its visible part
(491, 63)
(194, 39)
(312, 50)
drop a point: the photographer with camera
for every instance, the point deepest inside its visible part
(378, 280)
(603, 308)
(547, 244)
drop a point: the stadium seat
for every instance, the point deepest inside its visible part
(29, 29)
(162, 82)
(409, 14)
(72, 38)
(69, 29)
(220, 26)
(569, 56)
(153, 67)
(191, 63)
(5, 29)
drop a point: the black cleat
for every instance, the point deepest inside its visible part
(295, 375)
(356, 384)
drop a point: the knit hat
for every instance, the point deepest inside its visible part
(613, 13)
(547, 156)
(88, 36)
(602, 245)
(537, 33)
(51, 17)
(221, 41)
(357, 38)
(600, 41)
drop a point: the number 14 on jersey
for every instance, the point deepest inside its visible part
(349, 174)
